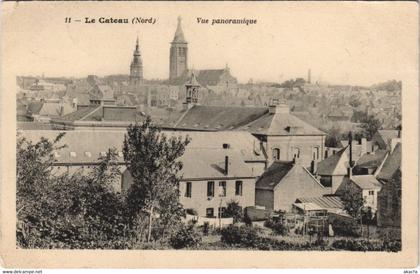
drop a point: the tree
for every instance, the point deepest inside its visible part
(333, 137)
(67, 211)
(153, 161)
(352, 201)
(370, 126)
(234, 210)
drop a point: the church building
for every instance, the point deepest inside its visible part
(136, 67)
(178, 53)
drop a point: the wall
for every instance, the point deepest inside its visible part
(304, 143)
(200, 202)
(296, 184)
(264, 198)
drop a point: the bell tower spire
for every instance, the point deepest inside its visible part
(136, 67)
(178, 55)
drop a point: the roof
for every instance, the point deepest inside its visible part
(34, 107)
(210, 163)
(274, 174)
(281, 124)
(327, 201)
(208, 76)
(371, 160)
(392, 164)
(329, 165)
(179, 34)
(388, 134)
(366, 181)
(218, 118)
(101, 113)
(308, 206)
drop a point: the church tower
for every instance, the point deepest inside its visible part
(178, 53)
(136, 67)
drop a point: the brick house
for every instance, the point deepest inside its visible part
(283, 182)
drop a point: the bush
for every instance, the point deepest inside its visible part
(185, 236)
(234, 210)
(239, 235)
(363, 245)
(247, 220)
(191, 211)
(276, 226)
(206, 228)
(346, 228)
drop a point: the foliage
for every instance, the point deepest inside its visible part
(63, 211)
(276, 226)
(242, 235)
(152, 159)
(333, 137)
(234, 210)
(352, 201)
(362, 245)
(391, 85)
(370, 126)
(346, 228)
(185, 236)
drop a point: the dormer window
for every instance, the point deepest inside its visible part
(102, 153)
(72, 154)
(88, 154)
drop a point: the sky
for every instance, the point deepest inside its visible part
(342, 43)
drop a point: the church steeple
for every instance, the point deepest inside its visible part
(136, 67)
(178, 53)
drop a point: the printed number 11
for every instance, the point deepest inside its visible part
(67, 20)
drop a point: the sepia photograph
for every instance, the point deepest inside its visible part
(237, 127)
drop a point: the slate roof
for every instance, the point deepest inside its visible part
(328, 201)
(387, 135)
(371, 160)
(209, 76)
(34, 107)
(79, 114)
(366, 181)
(217, 118)
(283, 124)
(329, 165)
(199, 163)
(392, 164)
(274, 174)
(210, 163)
(179, 34)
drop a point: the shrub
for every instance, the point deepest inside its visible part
(345, 228)
(276, 226)
(247, 220)
(239, 235)
(191, 211)
(206, 228)
(363, 245)
(185, 236)
(234, 210)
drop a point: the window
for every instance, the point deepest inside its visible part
(296, 152)
(238, 188)
(276, 154)
(210, 189)
(371, 192)
(188, 187)
(221, 211)
(222, 189)
(209, 212)
(326, 181)
(315, 153)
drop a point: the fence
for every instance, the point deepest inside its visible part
(214, 222)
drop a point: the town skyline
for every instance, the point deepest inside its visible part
(259, 52)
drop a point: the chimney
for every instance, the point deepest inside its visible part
(313, 167)
(363, 143)
(226, 165)
(351, 163)
(399, 134)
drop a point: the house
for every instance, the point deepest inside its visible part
(370, 162)
(285, 181)
(367, 186)
(383, 138)
(211, 178)
(389, 198)
(332, 170)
